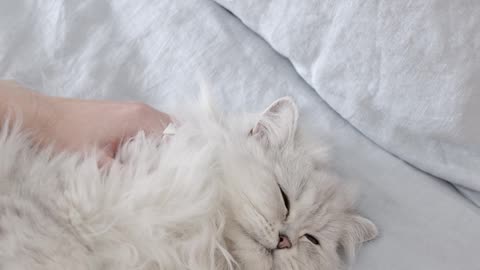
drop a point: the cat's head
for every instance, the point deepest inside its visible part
(285, 210)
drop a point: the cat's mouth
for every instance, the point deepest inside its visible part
(266, 242)
(267, 249)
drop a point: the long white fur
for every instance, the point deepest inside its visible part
(205, 198)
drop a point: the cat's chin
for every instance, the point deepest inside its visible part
(262, 259)
(269, 246)
(248, 252)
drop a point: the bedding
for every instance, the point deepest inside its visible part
(404, 73)
(155, 51)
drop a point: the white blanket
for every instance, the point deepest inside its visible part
(153, 50)
(405, 73)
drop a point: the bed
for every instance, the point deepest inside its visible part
(425, 203)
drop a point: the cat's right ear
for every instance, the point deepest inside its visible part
(277, 124)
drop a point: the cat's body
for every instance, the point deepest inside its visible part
(222, 193)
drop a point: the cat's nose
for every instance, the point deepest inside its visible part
(284, 242)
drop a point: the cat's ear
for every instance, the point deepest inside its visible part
(362, 229)
(277, 124)
(358, 230)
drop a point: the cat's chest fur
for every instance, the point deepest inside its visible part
(159, 207)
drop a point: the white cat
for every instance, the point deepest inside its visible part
(225, 192)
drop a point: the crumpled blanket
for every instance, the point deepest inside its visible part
(404, 73)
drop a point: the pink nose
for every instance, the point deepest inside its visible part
(284, 242)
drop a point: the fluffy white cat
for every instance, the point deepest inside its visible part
(224, 192)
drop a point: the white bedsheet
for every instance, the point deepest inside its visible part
(153, 50)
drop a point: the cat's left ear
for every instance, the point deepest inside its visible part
(358, 230)
(277, 124)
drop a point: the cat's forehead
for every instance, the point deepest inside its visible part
(311, 188)
(294, 171)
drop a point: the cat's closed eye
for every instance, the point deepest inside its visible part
(312, 239)
(285, 200)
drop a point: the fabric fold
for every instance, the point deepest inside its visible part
(403, 73)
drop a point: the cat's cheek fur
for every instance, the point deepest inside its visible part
(254, 200)
(249, 254)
